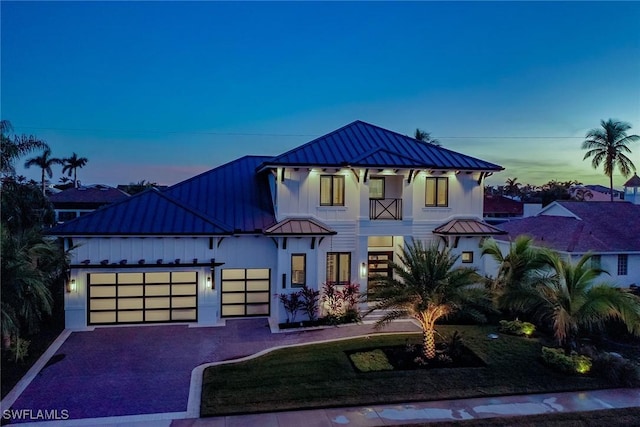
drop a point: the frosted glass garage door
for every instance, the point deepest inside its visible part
(245, 292)
(142, 297)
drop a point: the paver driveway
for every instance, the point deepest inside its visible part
(147, 369)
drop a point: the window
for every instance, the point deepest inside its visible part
(467, 257)
(331, 190)
(437, 192)
(376, 188)
(66, 216)
(622, 265)
(298, 270)
(596, 261)
(339, 268)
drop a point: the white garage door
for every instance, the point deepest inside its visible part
(245, 292)
(147, 297)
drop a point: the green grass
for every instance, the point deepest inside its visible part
(321, 375)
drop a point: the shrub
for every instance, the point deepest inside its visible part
(618, 370)
(369, 361)
(571, 364)
(517, 327)
(292, 304)
(19, 349)
(332, 298)
(309, 303)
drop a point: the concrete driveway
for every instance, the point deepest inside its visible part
(131, 370)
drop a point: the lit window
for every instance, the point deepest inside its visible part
(298, 270)
(331, 190)
(622, 265)
(339, 268)
(437, 192)
(376, 188)
(596, 262)
(467, 257)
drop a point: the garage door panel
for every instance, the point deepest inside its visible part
(103, 291)
(100, 317)
(130, 291)
(128, 303)
(142, 297)
(245, 292)
(258, 297)
(183, 289)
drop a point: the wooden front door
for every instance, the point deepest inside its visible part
(379, 265)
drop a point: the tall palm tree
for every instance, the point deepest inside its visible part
(518, 270)
(572, 302)
(44, 162)
(71, 165)
(608, 145)
(429, 288)
(12, 148)
(422, 135)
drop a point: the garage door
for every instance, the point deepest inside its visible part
(245, 292)
(148, 297)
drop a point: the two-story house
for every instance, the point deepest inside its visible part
(224, 243)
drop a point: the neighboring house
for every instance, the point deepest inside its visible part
(632, 190)
(499, 208)
(224, 243)
(609, 230)
(584, 194)
(617, 194)
(74, 202)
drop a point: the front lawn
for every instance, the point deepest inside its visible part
(321, 375)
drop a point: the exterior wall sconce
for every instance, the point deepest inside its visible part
(71, 286)
(363, 270)
(209, 283)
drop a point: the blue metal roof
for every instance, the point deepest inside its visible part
(363, 144)
(147, 213)
(233, 194)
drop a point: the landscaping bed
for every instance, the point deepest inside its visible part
(322, 375)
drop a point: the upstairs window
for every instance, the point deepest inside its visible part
(331, 190)
(622, 264)
(596, 261)
(339, 268)
(376, 188)
(437, 192)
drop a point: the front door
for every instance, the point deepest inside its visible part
(379, 266)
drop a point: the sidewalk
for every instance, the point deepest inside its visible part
(386, 415)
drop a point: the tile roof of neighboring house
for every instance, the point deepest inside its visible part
(596, 227)
(148, 213)
(233, 194)
(500, 205)
(366, 145)
(90, 195)
(634, 181)
(603, 189)
(466, 227)
(299, 226)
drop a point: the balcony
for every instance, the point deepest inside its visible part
(385, 209)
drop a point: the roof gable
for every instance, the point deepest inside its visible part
(147, 213)
(381, 147)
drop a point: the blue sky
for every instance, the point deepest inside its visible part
(162, 91)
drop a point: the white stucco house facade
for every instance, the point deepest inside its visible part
(223, 244)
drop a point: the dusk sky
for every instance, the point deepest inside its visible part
(162, 91)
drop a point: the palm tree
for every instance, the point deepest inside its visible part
(44, 162)
(71, 165)
(512, 187)
(428, 288)
(518, 270)
(569, 299)
(422, 135)
(15, 147)
(609, 145)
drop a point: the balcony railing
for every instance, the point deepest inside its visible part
(385, 209)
